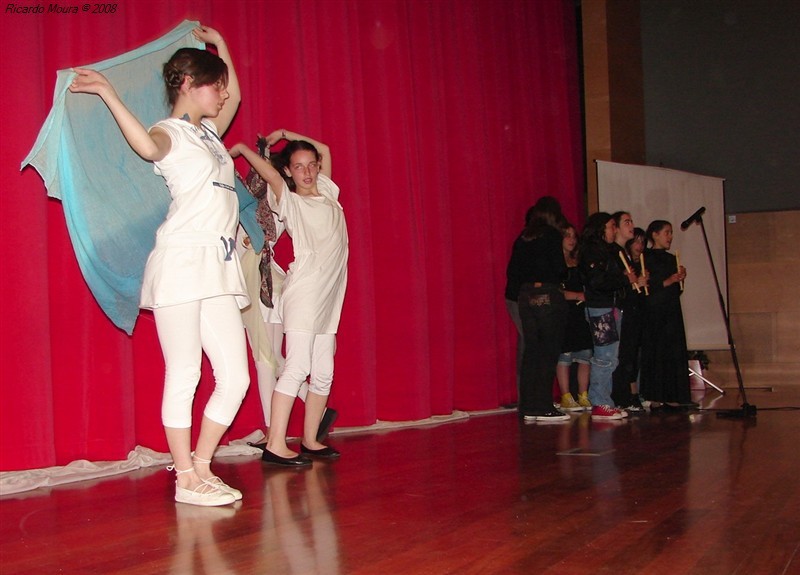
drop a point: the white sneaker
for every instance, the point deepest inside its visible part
(222, 486)
(205, 495)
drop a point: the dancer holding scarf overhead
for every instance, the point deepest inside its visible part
(192, 279)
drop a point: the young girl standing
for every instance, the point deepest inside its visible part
(665, 361)
(265, 280)
(605, 281)
(542, 310)
(624, 387)
(626, 376)
(313, 292)
(577, 346)
(192, 279)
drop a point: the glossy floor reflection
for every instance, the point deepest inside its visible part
(658, 493)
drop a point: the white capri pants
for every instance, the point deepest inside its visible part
(185, 331)
(308, 353)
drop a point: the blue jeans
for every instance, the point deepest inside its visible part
(604, 361)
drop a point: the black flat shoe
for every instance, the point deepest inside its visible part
(261, 446)
(296, 461)
(674, 408)
(325, 424)
(324, 453)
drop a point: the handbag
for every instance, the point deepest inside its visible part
(604, 329)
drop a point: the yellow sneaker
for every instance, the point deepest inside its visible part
(583, 400)
(569, 404)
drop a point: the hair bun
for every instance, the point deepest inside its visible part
(173, 77)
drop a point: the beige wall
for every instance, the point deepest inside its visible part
(763, 279)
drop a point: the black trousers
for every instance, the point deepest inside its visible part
(543, 312)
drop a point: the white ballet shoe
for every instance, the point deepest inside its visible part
(204, 495)
(222, 486)
(217, 482)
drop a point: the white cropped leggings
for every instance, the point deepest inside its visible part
(308, 354)
(185, 331)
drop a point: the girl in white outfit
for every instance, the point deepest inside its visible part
(313, 292)
(192, 280)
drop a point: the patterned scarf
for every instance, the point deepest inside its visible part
(258, 189)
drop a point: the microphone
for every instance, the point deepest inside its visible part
(695, 217)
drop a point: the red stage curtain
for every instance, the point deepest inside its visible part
(446, 120)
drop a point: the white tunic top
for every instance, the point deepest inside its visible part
(313, 292)
(194, 256)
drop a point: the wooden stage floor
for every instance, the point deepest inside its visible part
(659, 493)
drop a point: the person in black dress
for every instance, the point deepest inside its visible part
(664, 361)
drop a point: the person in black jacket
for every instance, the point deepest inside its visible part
(516, 272)
(626, 377)
(625, 388)
(605, 281)
(542, 310)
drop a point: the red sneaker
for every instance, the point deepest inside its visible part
(606, 413)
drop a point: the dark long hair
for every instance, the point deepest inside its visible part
(576, 250)
(594, 231)
(546, 212)
(283, 158)
(638, 234)
(655, 227)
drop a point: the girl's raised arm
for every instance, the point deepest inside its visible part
(262, 166)
(225, 117)
(151, 146)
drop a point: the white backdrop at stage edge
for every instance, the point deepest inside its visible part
(650, 193)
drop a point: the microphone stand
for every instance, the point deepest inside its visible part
(747, 410)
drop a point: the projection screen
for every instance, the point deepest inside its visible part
(650, 193)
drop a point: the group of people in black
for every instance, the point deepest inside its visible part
(608, 301)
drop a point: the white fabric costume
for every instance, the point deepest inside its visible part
(193, 280)
(313, 292)
(314, 288)
(194, 256)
